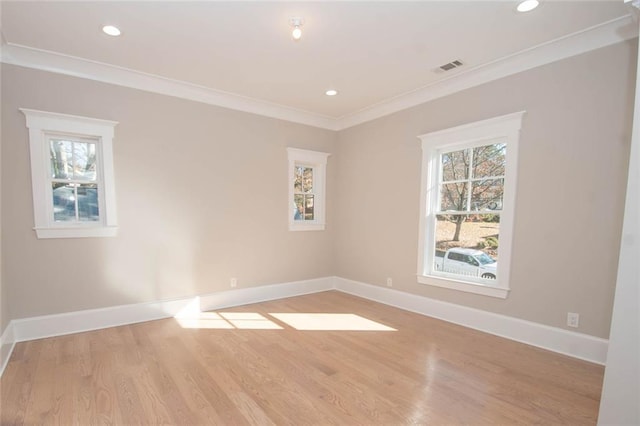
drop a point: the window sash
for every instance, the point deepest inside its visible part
(97, 181)
(470, 179)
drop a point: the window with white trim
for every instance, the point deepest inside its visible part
(307, 183)
(467, 204)
(71, 175)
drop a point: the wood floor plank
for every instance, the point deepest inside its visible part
(233, 371)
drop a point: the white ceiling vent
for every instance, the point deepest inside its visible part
(449, 66)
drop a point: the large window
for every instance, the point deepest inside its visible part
(468, 195)
(72, 175)
(306, 189)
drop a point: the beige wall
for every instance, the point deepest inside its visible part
(570, 194)
(201, 195)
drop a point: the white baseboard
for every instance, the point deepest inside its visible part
(574, 344)
(264, 293)
(94, 319)
(577, 345)
(7, 343)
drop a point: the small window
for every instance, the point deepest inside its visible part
(72, 175)
(468, 196)
(306, 189)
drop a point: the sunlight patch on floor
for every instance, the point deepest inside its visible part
(330, 322)
(191, 316)
(211, 323)
(250, 321)
(227, 321)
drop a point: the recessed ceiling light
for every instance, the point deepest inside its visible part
(528, 5)
(331, 92)
(111, 30)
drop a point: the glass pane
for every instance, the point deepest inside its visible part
(307, 180)
(61, 158)
(84, 158)
(489, 160)
(453, 196)
(487, 194)
(467, 245)
(87, 194)
(455, 165)
(297, 181)
(298, 200)
(64, 202)
(308, 207)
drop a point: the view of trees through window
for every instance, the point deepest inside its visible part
(74, 180)
(467, 221)
(303, 195)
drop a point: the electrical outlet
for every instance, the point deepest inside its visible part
(389, 282)
(234, 282)
(573, 319)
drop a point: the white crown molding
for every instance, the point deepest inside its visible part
(605, 34)
(45, 60)
(602, 35)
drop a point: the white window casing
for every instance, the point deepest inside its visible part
(317, 161)
(503, 129)
(44, 126)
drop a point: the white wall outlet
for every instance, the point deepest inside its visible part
(573, 319)
(234, 282)
(389, 282)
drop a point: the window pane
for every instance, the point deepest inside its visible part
(489, 160)
(67, 197)
(64, 202)
(87, 195)
(308, 207)
(455, 165)
(297, 182)
(84, 158)
(299, 202)
(304, 207)
(467, 245)
(61, 158)
(487, 194)
(307, 180)
(453, 196)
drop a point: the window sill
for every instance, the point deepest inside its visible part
(306, 227)
(469, 287)
(84, 232)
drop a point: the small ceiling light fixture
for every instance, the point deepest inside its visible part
(331, 92)
(296, 23)
(111, 30)
(527, 5)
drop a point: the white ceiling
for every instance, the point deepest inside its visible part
(373, 53)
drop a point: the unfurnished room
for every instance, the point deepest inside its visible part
(336, 212)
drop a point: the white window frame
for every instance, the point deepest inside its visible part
(42, 126)
(318, 162)
(503, 129)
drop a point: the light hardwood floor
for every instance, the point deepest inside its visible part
(234, 371)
